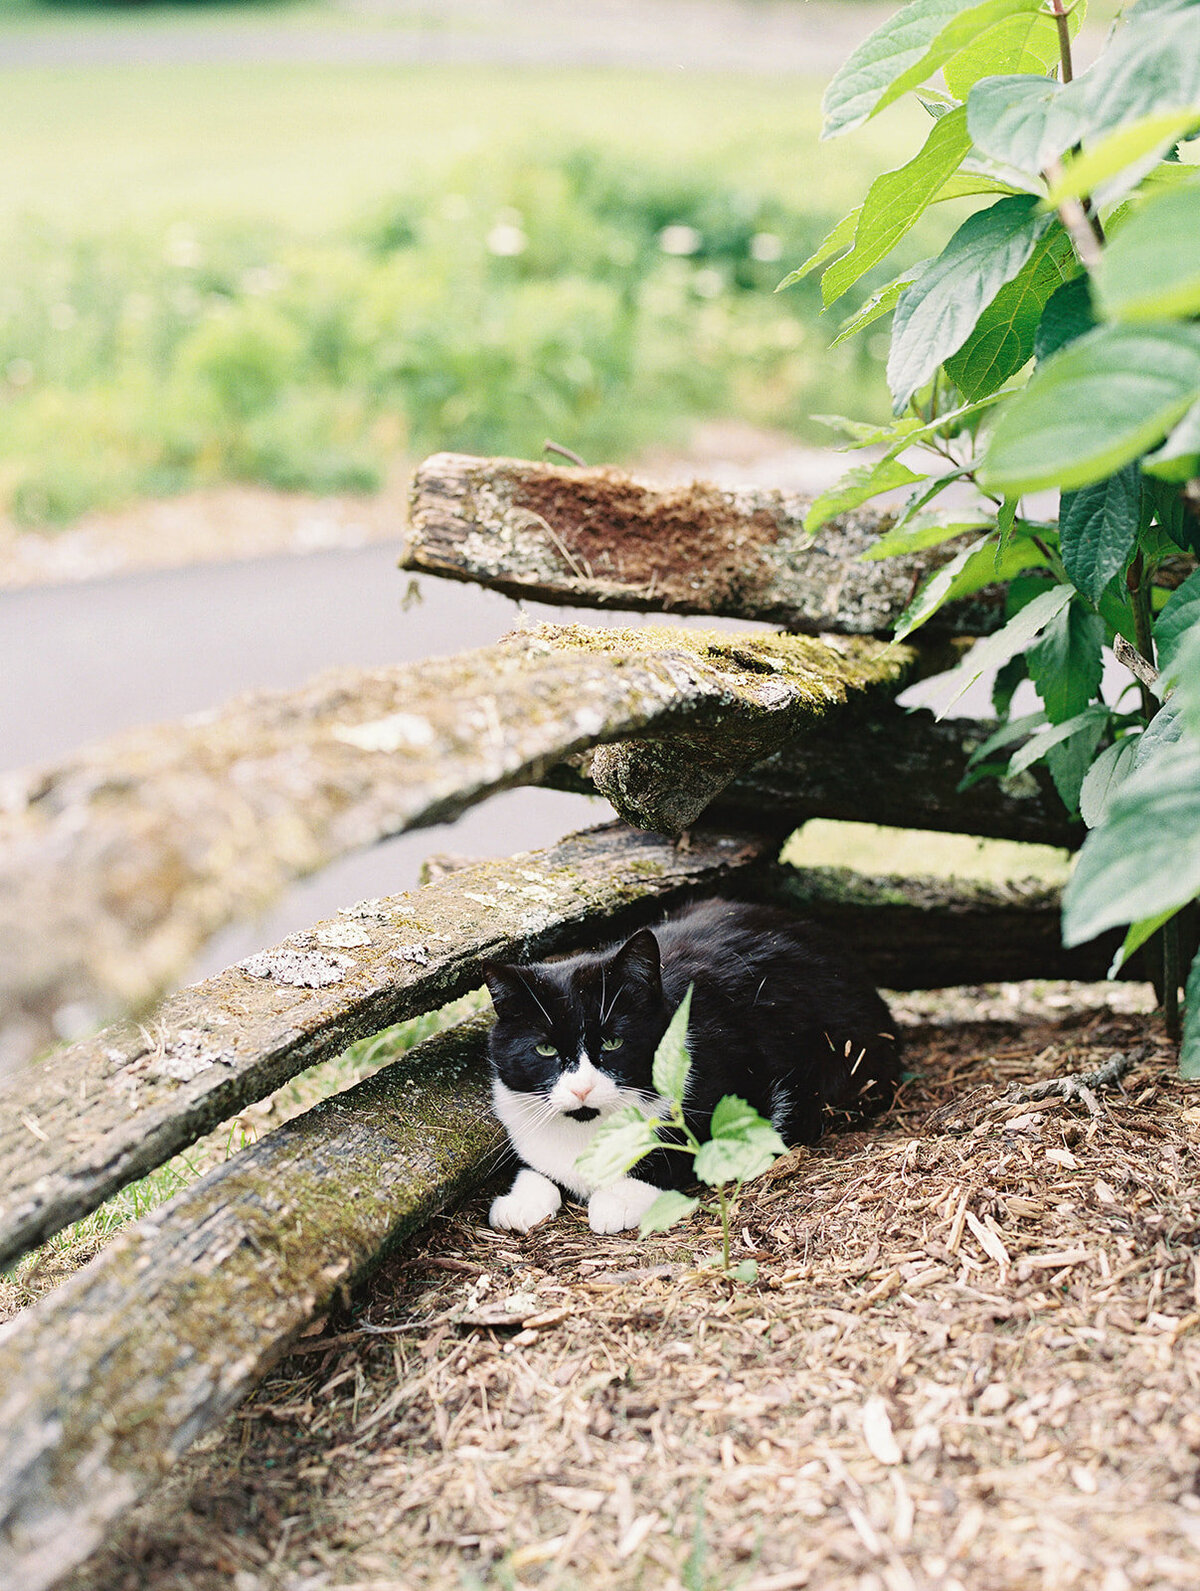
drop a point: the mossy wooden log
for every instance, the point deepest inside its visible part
(107, 1381)
(601, 538)
(924, 933)
(881, 764)
(116, 865)
(94, 1116)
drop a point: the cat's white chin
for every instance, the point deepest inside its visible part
(532, 1198)
(617, 1208)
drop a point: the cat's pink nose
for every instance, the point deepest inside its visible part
(582, 1090)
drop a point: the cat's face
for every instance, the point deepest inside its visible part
(579, 1036)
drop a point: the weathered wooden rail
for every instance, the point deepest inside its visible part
(600, 538)
(117, 864)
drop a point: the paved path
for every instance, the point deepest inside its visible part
(82, 661)
(750, 36)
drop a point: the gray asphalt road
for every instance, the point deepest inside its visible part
(81, 662)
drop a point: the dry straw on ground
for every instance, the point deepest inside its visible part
(971, 1360)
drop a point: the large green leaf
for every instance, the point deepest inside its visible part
(1151, 269)
(1185, 669)
(1019, 122)
(671, 1058)
(1047, 735)
(1145, 858)
(1118, 161)
(967, 184)
(928, 529)
(981, 563)
(1142, 8)
(1004, 334)
(1070, 760)
(1178, 459)
(880, 303)
(618, 1144)
(1180, 615)
(938, 312)
(857, 486)
(997, 648)
(906, 49)
(1104, 778)
(1065, 663)
(1094, 406)
(1026, 43)
(1067, 316)
(940, 588)
(1152, 65)
(1163, 730)
(1097, 529)
(896, 201)
(668, 1208)
(741, 1144)
(1137, 936)
(904, 433)
(835, 240)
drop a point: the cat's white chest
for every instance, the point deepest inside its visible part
(550, 1144)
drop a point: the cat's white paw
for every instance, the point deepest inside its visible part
(531, 1199)
(623, 1205)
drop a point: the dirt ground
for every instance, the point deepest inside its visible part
(970, 1361)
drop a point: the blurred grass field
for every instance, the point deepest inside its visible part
(304, 275)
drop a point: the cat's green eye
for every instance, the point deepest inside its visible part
(611, 1044)
(546, 1049)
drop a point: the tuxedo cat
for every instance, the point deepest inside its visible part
(777, 1017)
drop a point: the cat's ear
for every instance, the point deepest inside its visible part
(638, 963)
(505, 985)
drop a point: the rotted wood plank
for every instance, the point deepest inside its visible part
(601, 538)
(107, 1381)
(117, 865)
(94, 1116)
(881, 764)
(924, 933)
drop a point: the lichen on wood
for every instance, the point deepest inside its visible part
(602, 538)
(118, 864)
(107, 1381)
(96, 1115)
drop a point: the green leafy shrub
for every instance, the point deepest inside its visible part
(1053, 343)
(740, 1145)
(571, 293)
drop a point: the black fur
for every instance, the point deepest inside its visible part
(778, 1017)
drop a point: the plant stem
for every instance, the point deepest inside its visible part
(1137, 583)
(723, 1206)
(1171, 970)
(1061, 13)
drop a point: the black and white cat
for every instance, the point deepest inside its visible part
(777, 1017)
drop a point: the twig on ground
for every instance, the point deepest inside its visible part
(1081, 1085)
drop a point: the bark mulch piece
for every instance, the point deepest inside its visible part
(971, 1360)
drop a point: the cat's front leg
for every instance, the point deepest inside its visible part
(531, 1199)
(621, 1205)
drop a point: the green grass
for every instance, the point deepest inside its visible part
(919, 853)
(291, 274)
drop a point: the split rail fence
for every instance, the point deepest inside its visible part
(119, 863)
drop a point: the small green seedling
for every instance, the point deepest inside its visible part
(740, 1146)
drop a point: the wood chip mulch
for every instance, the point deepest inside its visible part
(971, 1361)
